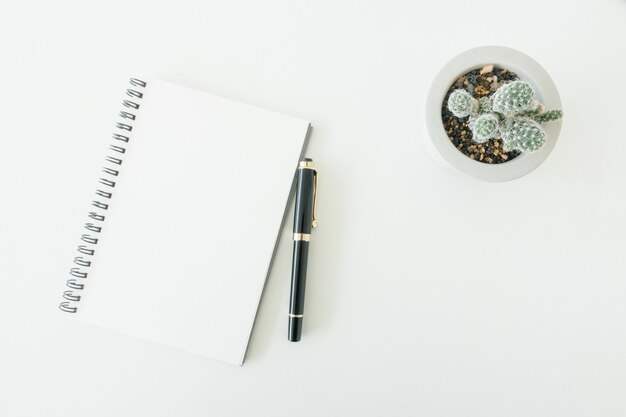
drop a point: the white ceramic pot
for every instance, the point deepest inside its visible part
(528, 70)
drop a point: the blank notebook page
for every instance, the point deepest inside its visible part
(192, 226)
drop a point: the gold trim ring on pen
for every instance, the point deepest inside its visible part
(302, 236)
(296, 316)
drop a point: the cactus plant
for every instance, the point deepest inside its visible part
(511, 113)
(523, 134)
(548, 116)
(485, 127)
(485, 105)
(513, 97)
(462, 104)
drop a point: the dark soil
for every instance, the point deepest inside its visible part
(481, 82)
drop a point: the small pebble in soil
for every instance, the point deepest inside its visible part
(480, 82)
(486, 69)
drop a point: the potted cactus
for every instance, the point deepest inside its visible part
(486, 113)
(512, 113)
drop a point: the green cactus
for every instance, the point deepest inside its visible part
(513, 97)
(548, 116)
(523, 134)
(485, 105)
(462, 104)
(531, 113)
(485, 127)
(511, 113)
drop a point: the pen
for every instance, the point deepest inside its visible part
(304, 219)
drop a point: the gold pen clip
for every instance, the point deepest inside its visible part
(314, 221)
(308, 164)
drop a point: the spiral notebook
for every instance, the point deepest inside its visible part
(184, 222)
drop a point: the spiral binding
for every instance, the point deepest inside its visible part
(96, 217)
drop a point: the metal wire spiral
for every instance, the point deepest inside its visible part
(104, 193)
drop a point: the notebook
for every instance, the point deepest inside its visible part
(183, 226)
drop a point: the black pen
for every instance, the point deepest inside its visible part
(303, 221)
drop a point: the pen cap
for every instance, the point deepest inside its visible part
(305, 187)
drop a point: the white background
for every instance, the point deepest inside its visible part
(429, 294)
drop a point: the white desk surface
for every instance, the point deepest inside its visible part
(430, 294)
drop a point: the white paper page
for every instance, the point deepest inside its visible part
(192, 225)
